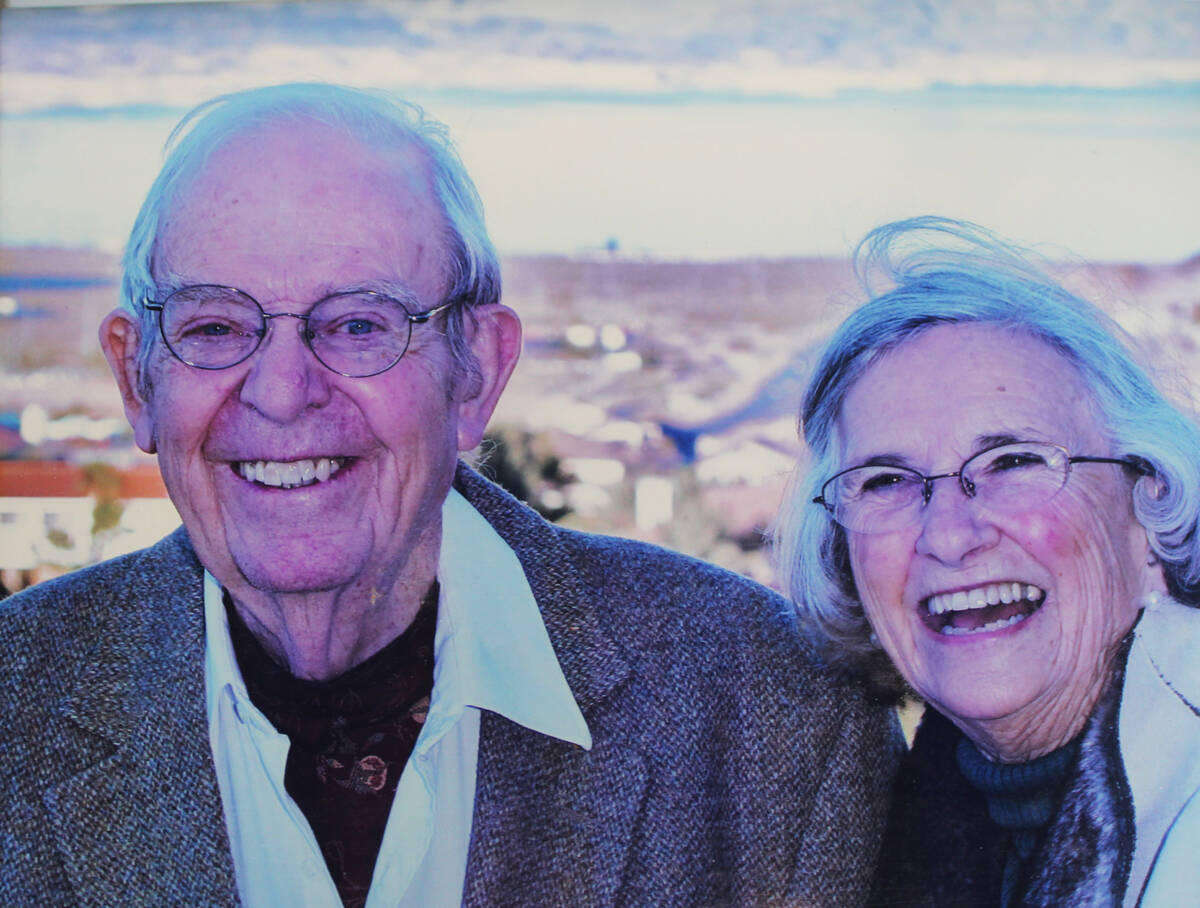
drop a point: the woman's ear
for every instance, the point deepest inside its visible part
(1154, 578)
(120, 339)
(494, 335)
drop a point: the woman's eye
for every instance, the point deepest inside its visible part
(883, 482)
(1015, 461)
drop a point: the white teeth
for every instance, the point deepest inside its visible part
(952, 631)
(289, 474)
(983, 596)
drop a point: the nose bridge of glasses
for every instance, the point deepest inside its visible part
(965, 485)
(956, 525)
(302, 316)
(302, 322)
(285, 377)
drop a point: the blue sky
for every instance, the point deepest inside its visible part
(683, 129)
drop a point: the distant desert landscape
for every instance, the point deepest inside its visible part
(616, 349)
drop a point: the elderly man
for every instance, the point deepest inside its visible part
(360, 673)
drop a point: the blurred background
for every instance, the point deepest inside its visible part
(674, 187)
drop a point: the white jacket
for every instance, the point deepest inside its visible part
(1160, 745)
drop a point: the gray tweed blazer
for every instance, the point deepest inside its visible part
(727, 768)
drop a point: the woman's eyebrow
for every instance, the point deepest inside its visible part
(885, 460)
(983, 442)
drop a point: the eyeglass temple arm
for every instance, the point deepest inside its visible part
(1134, 463)
(422, 317)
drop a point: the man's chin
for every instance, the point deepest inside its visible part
(294, 573)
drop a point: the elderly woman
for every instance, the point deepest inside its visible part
(1002, 502)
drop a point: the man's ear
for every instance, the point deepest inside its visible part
(120, 338)
(494, 334)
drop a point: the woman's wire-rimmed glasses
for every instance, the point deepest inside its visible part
(355, 333)
(1012, 477)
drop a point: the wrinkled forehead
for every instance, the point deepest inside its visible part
(963, 386)
(294, 191)
(303, 164)
(264, 145)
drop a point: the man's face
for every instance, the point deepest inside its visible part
(290, 214)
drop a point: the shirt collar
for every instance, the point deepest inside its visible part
(221, 672)
(492, 648)
(502, 653)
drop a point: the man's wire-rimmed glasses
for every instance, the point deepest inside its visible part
(1012, 477)
(355, 333)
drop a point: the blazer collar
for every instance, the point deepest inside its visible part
(122, 823)
(553, 823)
(1168, 633)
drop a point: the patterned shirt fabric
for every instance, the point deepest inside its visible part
(351, 738)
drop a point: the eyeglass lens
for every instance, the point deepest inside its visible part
(878, 499)
(356, 334)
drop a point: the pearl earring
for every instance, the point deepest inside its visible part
(1152, 600)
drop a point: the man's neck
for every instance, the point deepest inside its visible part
(323, 634)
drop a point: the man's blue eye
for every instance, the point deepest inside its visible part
(209, 329)
(360, 326)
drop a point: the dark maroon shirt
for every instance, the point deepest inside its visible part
(351, 737)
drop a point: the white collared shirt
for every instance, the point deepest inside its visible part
(491, 651)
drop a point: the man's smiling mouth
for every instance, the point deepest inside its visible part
(982, 609)
(289, 474)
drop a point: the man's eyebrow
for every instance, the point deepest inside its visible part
(170, 281)
(397, 289)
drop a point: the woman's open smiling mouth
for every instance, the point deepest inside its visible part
(981, 609)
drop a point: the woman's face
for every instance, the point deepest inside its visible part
(1080, 559)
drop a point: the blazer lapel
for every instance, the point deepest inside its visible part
(123, 824)
(553, 822)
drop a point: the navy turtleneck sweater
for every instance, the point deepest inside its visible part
(1021, 799)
